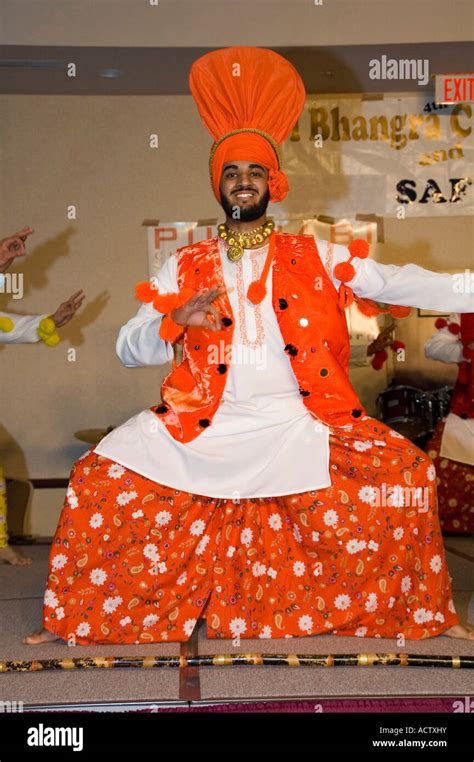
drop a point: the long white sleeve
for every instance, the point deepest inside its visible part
(139, 342)
(444, 345)
(407, 286)
(24, 329)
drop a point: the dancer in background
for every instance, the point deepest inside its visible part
(452, 444)
(22, 329)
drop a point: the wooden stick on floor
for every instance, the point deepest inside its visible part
(229, 660)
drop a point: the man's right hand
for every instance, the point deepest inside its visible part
(195, 311)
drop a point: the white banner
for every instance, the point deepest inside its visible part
(393, 156)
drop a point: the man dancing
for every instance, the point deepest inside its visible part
(258, 493)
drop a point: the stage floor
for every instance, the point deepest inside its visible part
(21, 591)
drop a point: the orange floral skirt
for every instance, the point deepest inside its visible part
(134, 561)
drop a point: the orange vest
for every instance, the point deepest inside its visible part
(311, 321)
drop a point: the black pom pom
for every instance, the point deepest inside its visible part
(221, 368)
(204, 422)
(356, 413)
(323, 372)
(283, 304)
(291, 349)
(162, 409)
(226, 321)
(304, 393)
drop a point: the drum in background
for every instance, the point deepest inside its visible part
(406, 409)
(414, 412)
(441, 403)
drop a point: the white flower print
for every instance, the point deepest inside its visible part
(59, 561)
(315, 536)
(72, 498)
(197, 527)
(237, 626)
(431, 472)
(258, 569)
(126, 620)
(182, 579)
(150, 619)
(111, 603)
(83, 629)
(297, 533)
(331, 518)
(373, 545)
(367, 494)
(305, 623)
(299, 568)
(96, 520)
(439, 617)
(50, 599)
(274, 522)
(98, 576)
(137, 514)
(59, 613)
(380, 443)
(151, 551)
(230, 551)
(405, 584)
(124, 498)
(342, 601)
(361, 446)
(189, 626)
(360, 632)
(371, 603)
(422, 615)
(398, 533)
(246, 536)
(115, 471)
(201, 546)
(355, 546)
(266, 632)
(391, 602)
(272, 572)
(436, 564)
(162, 518)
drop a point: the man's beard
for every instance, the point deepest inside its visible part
(247, 213)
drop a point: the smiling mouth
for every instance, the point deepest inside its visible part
(245, 194)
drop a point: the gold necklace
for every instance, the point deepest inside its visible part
(238, 241)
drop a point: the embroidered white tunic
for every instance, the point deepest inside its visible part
(457, 442)
(263, 442)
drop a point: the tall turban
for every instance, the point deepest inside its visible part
(249, 99)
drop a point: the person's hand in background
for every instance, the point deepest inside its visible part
(13, 246)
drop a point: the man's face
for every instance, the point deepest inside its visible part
(244, 190)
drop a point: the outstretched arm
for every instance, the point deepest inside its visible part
(139, 342)
(19, 329)
(406, 286)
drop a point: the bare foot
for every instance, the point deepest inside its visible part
(9, 555)
(459, 631)
(40, 636)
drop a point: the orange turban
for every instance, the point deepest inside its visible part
(249, 99)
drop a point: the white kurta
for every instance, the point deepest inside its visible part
(457, 442)
(263, 442)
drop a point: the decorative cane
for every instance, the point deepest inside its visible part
(230, 660)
